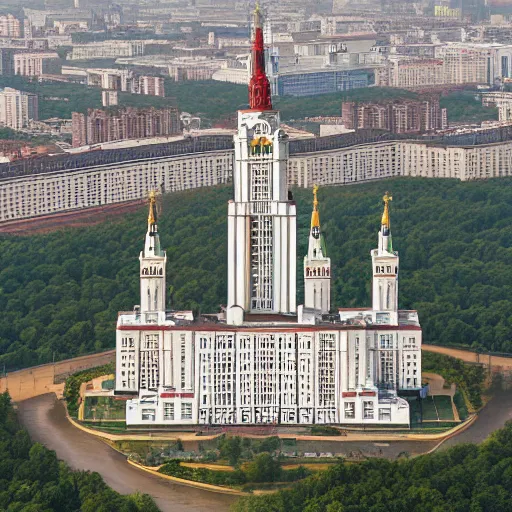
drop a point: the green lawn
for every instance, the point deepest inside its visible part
(444, 407)
(429, 409)
(104, 408)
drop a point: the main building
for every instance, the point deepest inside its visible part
(265, 359)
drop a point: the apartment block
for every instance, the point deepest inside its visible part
(149, 86)
(397, 116)
(10, 26)
(37, 63)
(123, 123)
(107, 50)
(17, 108)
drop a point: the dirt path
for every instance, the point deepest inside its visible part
(471, 357)
(39, 380)
(75, 219)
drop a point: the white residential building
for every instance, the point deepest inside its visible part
(10, 26)
(17, 108)
(267, 360)
(37, 63)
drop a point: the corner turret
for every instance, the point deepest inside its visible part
(152, 266)
(385, 273)
(317, 266)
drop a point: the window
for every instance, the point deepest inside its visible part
(367, 410)
(350, 410)
(186, 411)
(148, 414)
(386, 341)
(385, 414)
(168, 411)
(183, 360)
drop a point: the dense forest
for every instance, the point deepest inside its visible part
(33, 480)
(464, 478)
(60, 292)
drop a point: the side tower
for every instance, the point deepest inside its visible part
(385, 273)
(261, 217)
(152, 269)
(317, 266)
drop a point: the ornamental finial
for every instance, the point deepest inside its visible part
(385, 215)
(152, 208)
(315, 216)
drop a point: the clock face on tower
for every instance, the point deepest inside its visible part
(315, 232)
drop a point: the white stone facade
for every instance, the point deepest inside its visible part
(266, 364)
(33, 194)
(367, 162)
(285, 375)
(261, 220)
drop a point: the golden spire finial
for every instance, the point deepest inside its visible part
(257, 7)
(385, 214)
(152, 207)
(315, 217)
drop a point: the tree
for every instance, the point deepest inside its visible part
(264, 468)
(231, 449)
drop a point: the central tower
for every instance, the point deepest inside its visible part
(261, 217)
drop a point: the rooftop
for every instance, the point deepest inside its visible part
(348, 319)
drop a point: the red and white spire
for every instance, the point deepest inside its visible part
(259, 86)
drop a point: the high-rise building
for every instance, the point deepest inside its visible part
(100, 125)
(10, 26)
(264, 360)
(17, 108)
(261, 217)
(149, 85)
(37, 63)
(397, 116)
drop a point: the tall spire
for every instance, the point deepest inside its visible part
(315, 216)
(259, 86)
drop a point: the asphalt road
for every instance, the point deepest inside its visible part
(45, 419)
(492, 417)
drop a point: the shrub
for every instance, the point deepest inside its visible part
(324, 430)
(73, 383)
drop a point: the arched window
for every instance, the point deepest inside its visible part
(156, 299)
(388, 297)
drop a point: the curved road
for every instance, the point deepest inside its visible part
(492, 417)
(45, 419)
